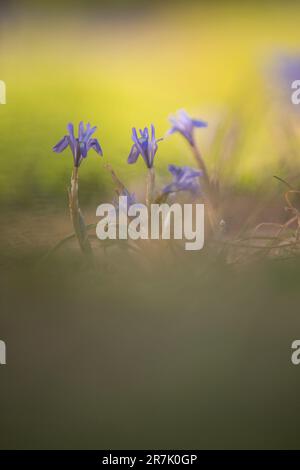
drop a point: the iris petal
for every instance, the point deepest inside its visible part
(94, 144)
(61, 145)
(134, 153)
(70, 128)
(199, 123)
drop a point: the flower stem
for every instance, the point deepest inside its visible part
(77, 217)
(208, 196)
(150, 186)
(201, 165)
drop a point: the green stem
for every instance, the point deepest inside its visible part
(77, 217)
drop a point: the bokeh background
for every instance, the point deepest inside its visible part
(124, 64)
(192, 355)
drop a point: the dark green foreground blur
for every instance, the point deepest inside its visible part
(192, 356)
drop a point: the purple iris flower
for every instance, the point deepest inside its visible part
(185, 125)
(288, 67)
(185, 179)
(79, 145)
(144, 145)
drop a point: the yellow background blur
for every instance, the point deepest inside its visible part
(123, 70)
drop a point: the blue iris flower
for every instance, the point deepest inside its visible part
(144, 145)
(80, 145)
(185, 178)
(185, 125)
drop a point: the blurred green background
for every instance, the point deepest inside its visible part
(120, 65)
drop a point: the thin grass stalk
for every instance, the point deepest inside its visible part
(77, 219)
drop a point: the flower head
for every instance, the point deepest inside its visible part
(79, 145)
(185, 179)
(185, 125)
(287, 68)
(144, 145)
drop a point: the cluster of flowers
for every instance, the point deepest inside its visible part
(145, 145)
